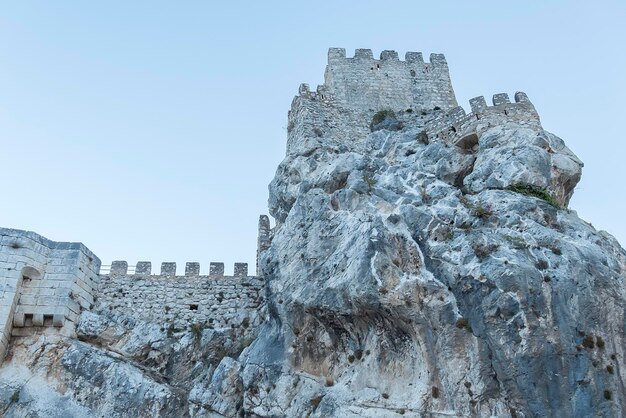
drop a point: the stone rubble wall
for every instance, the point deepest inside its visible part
(456, 124)
(363, 82)
(179, 302)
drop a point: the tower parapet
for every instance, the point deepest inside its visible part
(43, 284)
(357, 87)
(363, 82)
(456, 125)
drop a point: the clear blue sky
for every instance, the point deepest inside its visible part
(150, 130)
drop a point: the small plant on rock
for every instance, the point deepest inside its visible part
(385, 119)
(483, 212)
(463, 323)
(482, 250)
(535, 192)
(196, 330)
(422, 137)
(370, 181)
(172, 329)
(16, 396)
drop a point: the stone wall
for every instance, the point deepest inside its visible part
(455, 125)
(362, 82)
(43, 283)
(179, 302)
(356, 88)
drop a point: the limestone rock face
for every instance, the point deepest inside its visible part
(116, 367)
(521, 156)
(405, 278)
(428, 265)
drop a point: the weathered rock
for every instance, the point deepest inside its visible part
(406, 278)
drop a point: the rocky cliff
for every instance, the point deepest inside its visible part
(410, 273)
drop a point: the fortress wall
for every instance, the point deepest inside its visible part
(364, 83)
(456, 124)
(356, 88)
(178, 302)
(43, 283)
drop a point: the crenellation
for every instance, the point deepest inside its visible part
(39, 277)
(521, 97)
(216, 302)
(364, 54)
(457, 114)
(335, 54)
(356, 88)
(438, 60)
(192, 269)
(417, 57)
(119, 267)
(143, 268)
(216, 270)
(500, 99)
(241, 270)
(389, 55)
(44, 287)
(477, 104)
(456, 125)
(168, 269)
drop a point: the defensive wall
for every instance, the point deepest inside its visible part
(460, 128)
(357, 87)
(362, 82)
(179, 302)
(44, 286)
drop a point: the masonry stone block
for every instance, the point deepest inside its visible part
(456, 114)
(414, 57)
(18, 320)
(58, 320)
(336, 54)
(38, 320)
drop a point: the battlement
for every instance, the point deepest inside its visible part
(168, 269)
(456, 125)
(45, 285)
(357, 87)
(365, 83)
(338, 56)
(213, 301)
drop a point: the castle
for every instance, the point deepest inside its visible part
(45, 285)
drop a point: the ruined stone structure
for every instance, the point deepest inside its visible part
(47, 284)
(423, 263)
